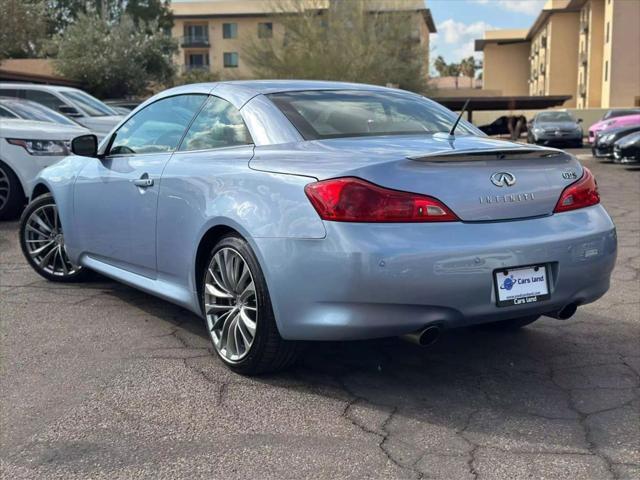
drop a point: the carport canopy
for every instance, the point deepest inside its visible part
(523, 102)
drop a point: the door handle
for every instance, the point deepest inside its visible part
(143, 182)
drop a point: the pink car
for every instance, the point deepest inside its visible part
(615, 122)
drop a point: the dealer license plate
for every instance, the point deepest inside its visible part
(521, 285)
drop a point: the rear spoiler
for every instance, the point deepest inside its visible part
(472, 155)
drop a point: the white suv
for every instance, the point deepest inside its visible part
(26, 147)
(97, 116)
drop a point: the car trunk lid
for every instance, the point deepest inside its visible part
(480, 179)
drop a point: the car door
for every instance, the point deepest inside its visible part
(116, 197)
(201, 181)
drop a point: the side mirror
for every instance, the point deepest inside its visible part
(579, 120)
(70, 111)
(85, 145)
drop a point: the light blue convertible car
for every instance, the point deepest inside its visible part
(288, 211)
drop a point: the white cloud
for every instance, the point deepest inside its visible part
(527, 7)
(455, 40)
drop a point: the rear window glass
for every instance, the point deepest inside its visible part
(320, 114)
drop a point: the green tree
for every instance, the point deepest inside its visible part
(468, 67)
(196, 76)
(63, 13)
(441, 66)
(115, 59)
(22, 28)
(346, 41)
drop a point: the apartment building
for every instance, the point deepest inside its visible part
(505, 63)
(584, 48)
(211, 34)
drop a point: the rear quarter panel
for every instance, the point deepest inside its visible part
(201, 190)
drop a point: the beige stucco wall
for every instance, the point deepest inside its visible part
(247, 31)
(562, 71)
(592, 43)
(621, 87)
(506, 68)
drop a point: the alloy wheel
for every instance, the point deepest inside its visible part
(44, 242)
(5, 188)
(231, 305)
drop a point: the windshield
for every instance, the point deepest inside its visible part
(321, 114)
(554, 117)
(88, 104)
(620, 113)
(34, 111)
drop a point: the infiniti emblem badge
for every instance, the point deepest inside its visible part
(503, 179)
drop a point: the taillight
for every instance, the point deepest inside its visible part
(580, 194)
(351, 199)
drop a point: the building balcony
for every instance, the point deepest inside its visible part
(582, 90)
(543, 42)
(190, 67)
(194, 41)
(584, 58)
(584, 27)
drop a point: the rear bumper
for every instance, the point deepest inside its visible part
(377, 280)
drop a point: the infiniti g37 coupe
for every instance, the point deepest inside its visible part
(288, 211)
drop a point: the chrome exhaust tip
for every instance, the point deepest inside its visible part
(425, 337)
(565, 312)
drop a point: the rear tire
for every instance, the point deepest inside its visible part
(42, 242)
(511, 324)
(238, 312)
(11, 195)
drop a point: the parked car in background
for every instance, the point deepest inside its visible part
(627, 149)
(28, 110)
(512, 125)
(620, 112)
(612, 122)
(82, 107)
(603, 146)
(123, 106)
(26, 147)
(284, 211)
(555, 128)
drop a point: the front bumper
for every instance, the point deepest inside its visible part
(562, 139)
(602, 150)
(377, 280)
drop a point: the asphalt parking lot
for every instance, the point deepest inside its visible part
(101, 381)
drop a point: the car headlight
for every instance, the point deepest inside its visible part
(538, 130)
(42, 147)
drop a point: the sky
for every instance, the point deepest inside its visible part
(460, 22)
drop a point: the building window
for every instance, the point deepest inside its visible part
(606, 71)
(229, 30)
(230, 59)
(197, 61)
(195, 35)
(606, 38)
(265, 30)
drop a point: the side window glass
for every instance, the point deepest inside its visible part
(158, 127)
(10, 92)
(4, 113)
(44, 98)
(219, 124)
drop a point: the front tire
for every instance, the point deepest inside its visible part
(42, 242)
(11, 194)
(238, 311)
